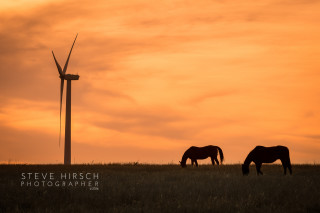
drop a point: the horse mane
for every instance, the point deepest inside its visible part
(184, 157)
(249, 159)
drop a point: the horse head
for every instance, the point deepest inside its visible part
(183, 164)
(245, 169)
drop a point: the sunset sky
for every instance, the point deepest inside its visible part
(157, 77)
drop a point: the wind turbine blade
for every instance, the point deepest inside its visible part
(66, 65)
(58, 66)
(61, 94)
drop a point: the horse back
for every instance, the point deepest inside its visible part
(270, 154)
(201, 152)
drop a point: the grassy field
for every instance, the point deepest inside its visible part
(164, 188)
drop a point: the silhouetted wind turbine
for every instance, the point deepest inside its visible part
(68, 77)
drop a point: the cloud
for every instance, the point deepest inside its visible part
(160, 122)
(161, 76)
(315, 137)
(215, 94)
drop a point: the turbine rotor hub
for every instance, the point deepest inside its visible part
(71, 77)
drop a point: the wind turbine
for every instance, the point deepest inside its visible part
(68, 77)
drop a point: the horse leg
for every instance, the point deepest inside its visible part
(212, 160)
(192, 161)
(196, 163)
(289, 167)
(258, 166)
(284, 165)
(216, 159)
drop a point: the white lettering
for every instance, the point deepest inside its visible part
(88, 178)
(63, 176)
(95, 175)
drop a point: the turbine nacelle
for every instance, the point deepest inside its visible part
(70, 77)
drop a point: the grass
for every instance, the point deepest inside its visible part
(166, 188)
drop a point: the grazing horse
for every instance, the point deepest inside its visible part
(261, 154)
(195, 153)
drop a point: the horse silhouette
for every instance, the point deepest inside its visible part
(195, 153)
(261, 154)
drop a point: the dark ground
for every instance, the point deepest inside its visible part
(164, 188)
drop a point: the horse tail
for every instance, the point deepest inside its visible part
(289, 162)
(221, 154)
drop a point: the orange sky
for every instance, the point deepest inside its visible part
(158, 77)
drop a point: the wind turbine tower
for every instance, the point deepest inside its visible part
(68, 77)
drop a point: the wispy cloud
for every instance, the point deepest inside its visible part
(161, 75)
